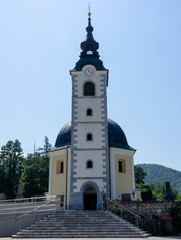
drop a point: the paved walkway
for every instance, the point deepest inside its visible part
(150, 238)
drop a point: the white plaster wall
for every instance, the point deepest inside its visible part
(95, 78)
(96, 157)
(68, 174)
(83, 149)
(93, 103)
(112, 174)
(83, 130)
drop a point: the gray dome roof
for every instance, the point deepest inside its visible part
(116, 136)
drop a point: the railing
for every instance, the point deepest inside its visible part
(140, 220)
(18, 208)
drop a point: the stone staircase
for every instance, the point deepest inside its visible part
(82, 224)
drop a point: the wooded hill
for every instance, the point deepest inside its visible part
(158, 173)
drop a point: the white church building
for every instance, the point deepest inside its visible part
(91, 157)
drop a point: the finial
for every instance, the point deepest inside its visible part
(89, 13)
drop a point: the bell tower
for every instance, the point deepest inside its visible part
(91, 157)
(89, 173)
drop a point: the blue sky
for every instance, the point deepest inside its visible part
(140, 45)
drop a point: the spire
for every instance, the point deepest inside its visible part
(89, 46)
(89, 54)
(89, 29)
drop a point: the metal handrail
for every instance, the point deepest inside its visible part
(22, 199)
(31, 211)
(137, 215)
(23, 205)
(125, 208)
(140, 214)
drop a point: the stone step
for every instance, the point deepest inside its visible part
(78, 223)
(81, 229)
(81, 225)
(111, 222)
(70, 226)
(103, 221)
(83, 236)
(76, 233)
(82, 220)
(78, 217)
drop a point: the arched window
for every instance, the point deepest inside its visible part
(89, 112)
(89, 52)
(89, 164)
(89, 137)
(89, 89)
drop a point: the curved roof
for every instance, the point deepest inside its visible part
(116, 136)
(64, 136)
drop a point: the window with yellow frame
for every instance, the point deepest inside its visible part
(121, 166)
(60, 167)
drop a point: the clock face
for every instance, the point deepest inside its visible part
(89, 71)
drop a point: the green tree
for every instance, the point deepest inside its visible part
(30, 177)
(1, 177)
(139, 175)
(47, 147)
(158, 191)
(36, 171)
(44, 165)
(11, 159)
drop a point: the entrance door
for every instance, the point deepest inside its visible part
(90, 198)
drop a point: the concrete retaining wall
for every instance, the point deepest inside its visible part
(9, 227)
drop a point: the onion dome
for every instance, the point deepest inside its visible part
(89, 54)
(116, 136)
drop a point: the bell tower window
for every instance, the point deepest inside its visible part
(89, 164)
(89, 137)
(89, 89)
(89, 112)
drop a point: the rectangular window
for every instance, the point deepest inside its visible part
(60, 167)
(121, 166)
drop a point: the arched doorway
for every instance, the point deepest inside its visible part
(90, 198)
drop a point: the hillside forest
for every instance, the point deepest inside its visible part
(158, 186)
(158, 173)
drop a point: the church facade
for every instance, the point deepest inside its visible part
(91, 157)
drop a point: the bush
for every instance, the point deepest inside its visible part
(175, 212)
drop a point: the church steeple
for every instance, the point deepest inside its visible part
(89, 28)
(89, 54)
(89, 46)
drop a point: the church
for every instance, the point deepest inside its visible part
(91, 159)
